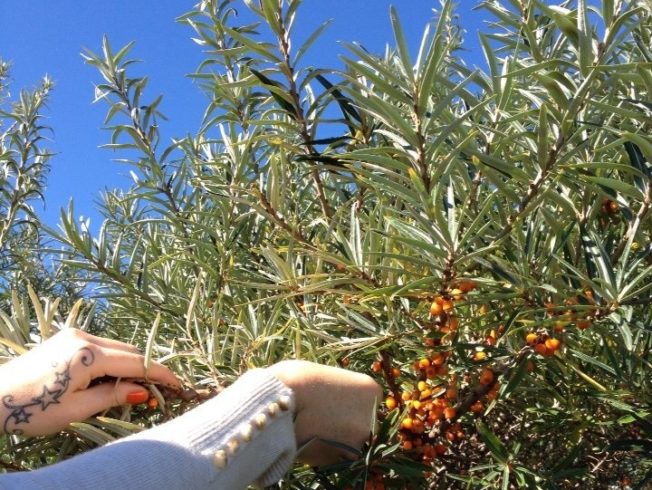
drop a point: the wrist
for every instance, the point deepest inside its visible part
(293, 374)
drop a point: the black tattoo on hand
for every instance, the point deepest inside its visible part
(20, 413)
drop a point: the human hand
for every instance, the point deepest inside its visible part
(50, 386)
(332, 404)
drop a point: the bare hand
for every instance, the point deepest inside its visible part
(333, 405)
(50, 386)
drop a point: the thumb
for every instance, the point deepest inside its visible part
(106, 395)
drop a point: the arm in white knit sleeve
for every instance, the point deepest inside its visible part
(242, 436)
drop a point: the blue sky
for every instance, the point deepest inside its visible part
(44, 36)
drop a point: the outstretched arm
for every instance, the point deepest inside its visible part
(248, 433)
(242, 435)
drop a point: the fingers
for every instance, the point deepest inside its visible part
(86, 403)
(121, 364)
(114, 344)
(107, 357)
(99, 341)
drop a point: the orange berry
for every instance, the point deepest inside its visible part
(449, 413)
(553, 344)
(422, 385)
(451, 393)
(447, 305)
(424, 363)
(436, 309)
(406, 396)
(429, 451)
(431, 372)
(480, 356)
(457, 294)
(152, 403)
(396, 372)
(376, 367)
(466, 286)
(427, 393)
(437, 359)
(453, 323)
(390, 403)
(407, 445)
(416, 405)
(487, 377)
(434, 416)
(541, 349)
(429, 342)
(477, 407)
(407, 423)
(450, 435)
(531, 338)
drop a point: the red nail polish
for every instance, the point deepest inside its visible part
(136, 397)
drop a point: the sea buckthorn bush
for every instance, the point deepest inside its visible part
(476, 239)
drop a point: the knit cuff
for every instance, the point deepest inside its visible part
(248, 429)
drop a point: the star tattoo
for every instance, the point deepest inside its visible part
(62, 378)
(18, 412)
(48, 398)
(21, 416)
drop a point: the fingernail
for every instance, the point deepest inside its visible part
(137, 397)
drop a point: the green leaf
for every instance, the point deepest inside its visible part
(263, 49)
(498, 450)
(585, 38)
(616, 185)
(401, 43)
(435, 57)
(516, 378)
(563, 18)
(151, 339)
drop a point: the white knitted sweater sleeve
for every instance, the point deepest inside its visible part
(244, 435)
